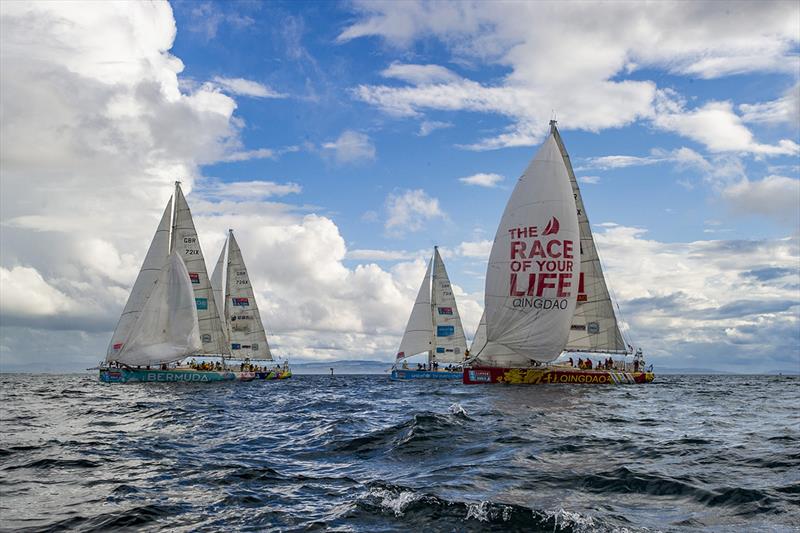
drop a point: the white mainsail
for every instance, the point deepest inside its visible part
(145, 281)
(186, 243)
(449, 340)
(418, 336)
(533, 270)
(245, 330)
(594, 325)
(166, 327)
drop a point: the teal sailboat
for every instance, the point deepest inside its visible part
(171, 313)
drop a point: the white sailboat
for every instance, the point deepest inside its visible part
(171, 313)
(236, 301)
(434, 326)
(545, 289)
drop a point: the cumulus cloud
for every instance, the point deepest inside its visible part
(482, 180)
(243, 87)
(600, 45)
(785, 109)
(777, 197)
(717, 126)
(351, 147)
(699, 303)
(590, 180)
(410, 210)
(96, 127)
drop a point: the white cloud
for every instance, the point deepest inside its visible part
(419, 74)
(351, 147)
(244, 190)
(408, 211)
(243, 87)
(90, 153)
(591, 180)
(429, 126)
(482, 180)
(776, 197)
(598, 46)
(785, 109)
(717, 126)
(730, 304)
(475, 249)
(380, 255)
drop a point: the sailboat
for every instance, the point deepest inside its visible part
(434, 327)
(171, 313)
(236, 303)
(545, 289)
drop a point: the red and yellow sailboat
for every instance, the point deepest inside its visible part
(545, 289)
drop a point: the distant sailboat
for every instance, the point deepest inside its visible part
(234, 297)
(545, 289)
(434, 327)
(157, 327)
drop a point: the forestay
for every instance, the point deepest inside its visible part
(186, 243)
(418, 336)
(532, 275)
(448, 334)
(145, 281)
(245, 329)
(166, 328)
(594, 325)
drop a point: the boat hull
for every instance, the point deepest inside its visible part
(551, 375)
(399, 374)
(130, 375)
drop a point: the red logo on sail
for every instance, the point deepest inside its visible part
(117, 346)
(194, 277)
(552, 227)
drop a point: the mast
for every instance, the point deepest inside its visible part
(431, 356)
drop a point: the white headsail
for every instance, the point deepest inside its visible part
(186, 243)
(145, 281)
(218, 282)
(418, 336)
(166, 328)
(245, 329)
(594, 326)
(448, 333)
(533, 271)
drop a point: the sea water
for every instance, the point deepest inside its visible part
(362, 453)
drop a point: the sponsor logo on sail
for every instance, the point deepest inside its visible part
(445, 331)
(206, 337)
(577, 327)
(241, 302)
(401, 354)
(439, 349)
(236, 346)
(445, 310)
(255, 346)
(117, 346)
(552, 227)
(195, 277)
(202, 303)
(593, 328)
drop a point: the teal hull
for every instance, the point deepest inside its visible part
(399, 374)
(124, 375)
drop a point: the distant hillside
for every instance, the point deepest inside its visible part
(342, 367)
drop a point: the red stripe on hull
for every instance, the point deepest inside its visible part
(483, 375)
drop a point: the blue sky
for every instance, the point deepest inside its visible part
(340, 140)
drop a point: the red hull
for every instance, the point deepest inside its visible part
(484, 375)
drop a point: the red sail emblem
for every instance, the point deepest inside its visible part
(552, 227)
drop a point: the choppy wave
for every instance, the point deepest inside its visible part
(357, 453)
